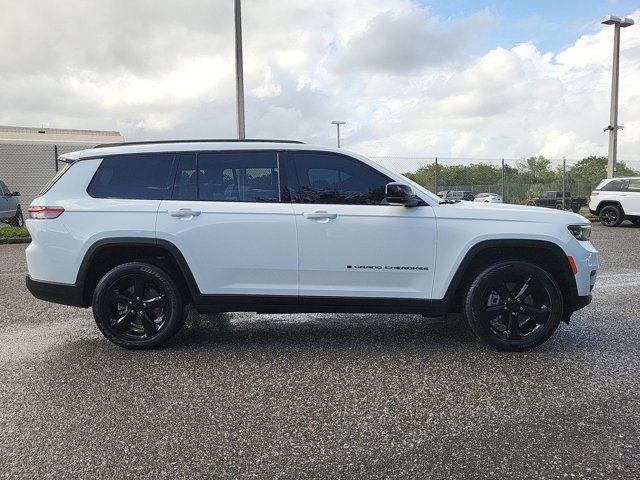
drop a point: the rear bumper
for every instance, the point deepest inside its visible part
(56, 292)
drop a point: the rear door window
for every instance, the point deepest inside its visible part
(634, 185)
(238, 176)
(138, 176)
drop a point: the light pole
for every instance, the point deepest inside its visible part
(337, 123)
(239, 73)
(613, 127)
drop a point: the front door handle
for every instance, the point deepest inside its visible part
(184, 212)
(320, 215)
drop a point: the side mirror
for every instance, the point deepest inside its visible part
(15, 194)
(400, 194)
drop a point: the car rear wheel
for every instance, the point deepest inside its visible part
(611, 216)
(17, 220)
(137, 306)
(513, 305)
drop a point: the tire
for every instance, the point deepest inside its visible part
(137, 306)
(559, 206)
(575, 208)
(526, 318)
(17, 220)
(611, 216)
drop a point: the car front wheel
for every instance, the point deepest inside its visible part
(611, 216)
(513, 305)
(137, 306)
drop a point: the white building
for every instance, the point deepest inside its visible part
(28, 156)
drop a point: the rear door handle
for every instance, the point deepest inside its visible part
(184, 212)
(320, 215)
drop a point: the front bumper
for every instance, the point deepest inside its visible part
(56, 292)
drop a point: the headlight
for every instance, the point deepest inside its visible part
(581, 232)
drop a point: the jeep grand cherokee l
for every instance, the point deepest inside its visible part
(138, 231)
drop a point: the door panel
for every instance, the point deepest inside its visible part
(351, 243)
(236, 236)
(631, 201)
(233, 247)
(366, 250)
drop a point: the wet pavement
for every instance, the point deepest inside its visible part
(323, 396)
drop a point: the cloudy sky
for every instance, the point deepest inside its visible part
(454, 78)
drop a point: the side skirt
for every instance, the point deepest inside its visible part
(294, 304)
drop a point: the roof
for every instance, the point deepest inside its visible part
(206, 140)
(193, 145)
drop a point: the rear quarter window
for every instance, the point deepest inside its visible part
(142, 177)
(615, 186)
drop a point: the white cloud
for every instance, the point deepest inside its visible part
(407, 81)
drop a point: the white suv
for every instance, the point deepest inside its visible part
(616, 199)
(140, 230)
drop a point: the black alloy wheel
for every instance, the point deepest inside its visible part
(514, 305)
(137, 305)
(611, 216)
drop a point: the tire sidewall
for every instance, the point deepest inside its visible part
(174, 317)
(481, 329)
(618, 211)
(17, 220)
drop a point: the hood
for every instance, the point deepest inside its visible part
(508, 212)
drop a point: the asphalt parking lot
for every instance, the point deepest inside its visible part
(323, 396)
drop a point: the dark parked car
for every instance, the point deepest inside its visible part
(10, 211)
(553, 199)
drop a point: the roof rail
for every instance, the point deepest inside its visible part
(204, 140)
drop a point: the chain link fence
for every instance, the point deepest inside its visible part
(517, 180)
(27, 167)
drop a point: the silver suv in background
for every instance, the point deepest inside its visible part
(615, 200)
(10, 211)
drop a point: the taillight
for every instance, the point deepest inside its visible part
(593, 194)
(45, 213)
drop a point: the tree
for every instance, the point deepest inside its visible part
(592, 170)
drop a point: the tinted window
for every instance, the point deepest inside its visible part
(185, 185)
(133, 176)
(329, 178)
(634, 185)
(616, 186)
(3, 189)
(238, 176)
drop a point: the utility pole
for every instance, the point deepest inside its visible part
(337, 123)
(503, 195)
(239, 73)
(613, 127)
(564, 181)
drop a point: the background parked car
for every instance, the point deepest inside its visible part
(488, 198)
(456, 195)
(553, 199)
(615, 200)
(10, 211)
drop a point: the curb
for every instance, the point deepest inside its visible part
(7, 241)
